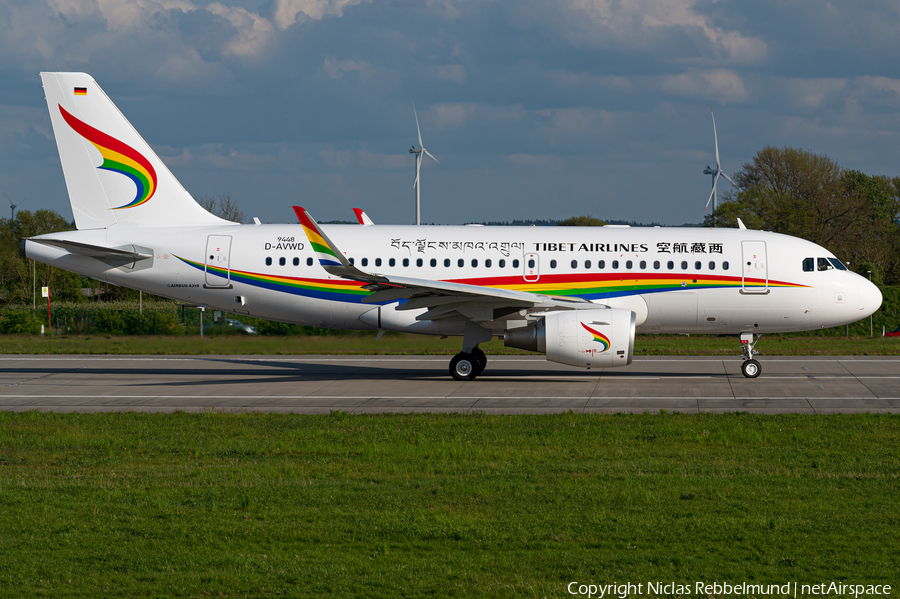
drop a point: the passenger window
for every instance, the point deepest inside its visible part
(474, 263)
(670, 265)
(269, 261)
(446, 262)
(725, 265)
(587, 263)
(418, 262)
(601, 264)
(296, 261)
(433, 263)
(309, 261)
(809, 265)
(377, 261)
(824, 264)
(698, 265)
(502, 263)
(516, 263)
(656, 265)
(406, 262)
(364, 261)
(712, 265)
(350, 261)
(643, 264)
(487, 263)
(392, 262)
(552, 264)
(628, 265)
(684, 265)
(615, 264)
(574, 263)
(460, 263)
(282, 261)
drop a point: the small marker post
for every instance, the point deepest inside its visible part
(45, 292)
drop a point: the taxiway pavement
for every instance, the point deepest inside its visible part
(510, 384)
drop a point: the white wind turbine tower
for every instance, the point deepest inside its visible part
(717, 172)
(12, 206)
(419, 152)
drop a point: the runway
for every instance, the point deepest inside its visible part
(510, 384)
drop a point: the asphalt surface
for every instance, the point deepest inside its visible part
(510, 384)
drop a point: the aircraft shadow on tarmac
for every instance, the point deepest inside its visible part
(262, 371)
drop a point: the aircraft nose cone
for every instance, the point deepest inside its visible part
(869, 298)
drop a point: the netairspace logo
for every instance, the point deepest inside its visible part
(625, 590)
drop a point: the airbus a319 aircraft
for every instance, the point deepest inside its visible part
(577, 294)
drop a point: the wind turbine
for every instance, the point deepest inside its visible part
(717, 172)
(419, 152)
(12, 206)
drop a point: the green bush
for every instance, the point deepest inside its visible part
(20, 322)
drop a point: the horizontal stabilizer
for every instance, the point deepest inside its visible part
(93, 251)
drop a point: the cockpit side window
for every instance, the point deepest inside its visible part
(809, 264)
(837, 264)
(824, 264)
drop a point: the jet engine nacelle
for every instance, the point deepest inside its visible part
(585, 338)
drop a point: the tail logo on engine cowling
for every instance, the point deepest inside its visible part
(598, 337)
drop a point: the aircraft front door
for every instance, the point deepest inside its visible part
(217, 263)
(755, 277)
(532, 265)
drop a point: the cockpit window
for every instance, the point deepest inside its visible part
(824, 264)
(809, 264)
(837, 264)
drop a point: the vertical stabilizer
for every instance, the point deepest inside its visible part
(112, 175)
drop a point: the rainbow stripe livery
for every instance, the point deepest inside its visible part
(119, 158)
(598, 337)
(324, 253)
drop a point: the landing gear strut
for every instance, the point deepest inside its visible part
(750, 368)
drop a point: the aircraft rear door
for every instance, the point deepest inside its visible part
(532, 266)
(755, 272)
(217, 262)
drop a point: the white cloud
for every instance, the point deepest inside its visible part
(453, 115)
(718, 84)
(336, 68)
(455, 73)
(649, 25)
(288, 11)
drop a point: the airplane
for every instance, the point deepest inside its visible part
(579, 295)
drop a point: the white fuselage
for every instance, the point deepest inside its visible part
(684, 280)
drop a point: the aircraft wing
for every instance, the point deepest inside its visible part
(442, 298)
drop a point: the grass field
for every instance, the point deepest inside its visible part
(256, 505)
(398, 343)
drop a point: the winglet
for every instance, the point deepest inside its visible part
(330, 257)
(741, 224)
(362, 217)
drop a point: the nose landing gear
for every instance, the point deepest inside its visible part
(750, 368)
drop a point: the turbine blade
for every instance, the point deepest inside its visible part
(419, 131)
(712, 193)
(7, 198)
(716, 138)
(730, 180)
(430, 156)
(418, 165)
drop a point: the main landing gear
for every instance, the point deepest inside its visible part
(470, 362)
(466, 366)
(750, 368)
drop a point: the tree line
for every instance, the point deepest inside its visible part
(786, 190)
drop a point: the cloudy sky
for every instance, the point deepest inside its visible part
(535, 108)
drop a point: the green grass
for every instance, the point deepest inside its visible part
(397, 343)
(256, 505)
